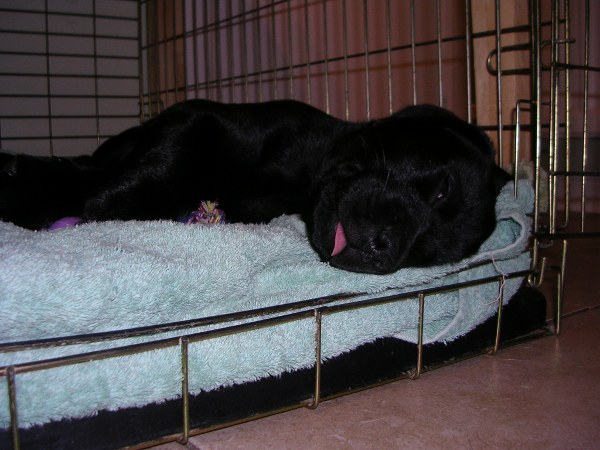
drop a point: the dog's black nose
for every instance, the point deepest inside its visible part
(378, 239)
(382, 248)
(383, 240)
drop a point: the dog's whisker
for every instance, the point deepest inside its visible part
(368, 149)
(387, 178)
(382, 147)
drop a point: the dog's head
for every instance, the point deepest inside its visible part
(415, 189)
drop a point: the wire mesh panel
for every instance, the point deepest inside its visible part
(568, 98)
(69, 74)
(355, 59)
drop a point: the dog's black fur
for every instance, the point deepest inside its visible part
(417, 188)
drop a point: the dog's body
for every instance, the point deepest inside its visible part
(416, 188)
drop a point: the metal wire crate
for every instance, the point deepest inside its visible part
(524, 71)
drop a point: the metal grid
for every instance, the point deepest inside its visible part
(69, 74)
(354, 59)
(564, 139)
(571, 138)
(357, 59)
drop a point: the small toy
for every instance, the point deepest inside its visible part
(65, 222)
(207, 212)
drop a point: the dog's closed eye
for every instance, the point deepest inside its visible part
(435, 188)
(441, 191)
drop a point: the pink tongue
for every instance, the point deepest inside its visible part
(340, 240)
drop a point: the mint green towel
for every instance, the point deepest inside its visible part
(118, 275)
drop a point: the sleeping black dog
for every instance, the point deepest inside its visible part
(417, 188)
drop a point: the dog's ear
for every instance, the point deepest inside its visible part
(448, 120)
(466, 132)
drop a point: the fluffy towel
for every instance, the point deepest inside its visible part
(118, 275)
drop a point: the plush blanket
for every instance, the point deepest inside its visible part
(108, 276)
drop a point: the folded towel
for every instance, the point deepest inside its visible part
(107, 276)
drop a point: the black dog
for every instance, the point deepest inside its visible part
(417, 188)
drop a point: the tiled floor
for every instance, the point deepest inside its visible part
(541, 394)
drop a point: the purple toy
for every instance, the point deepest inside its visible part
(65, 222)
